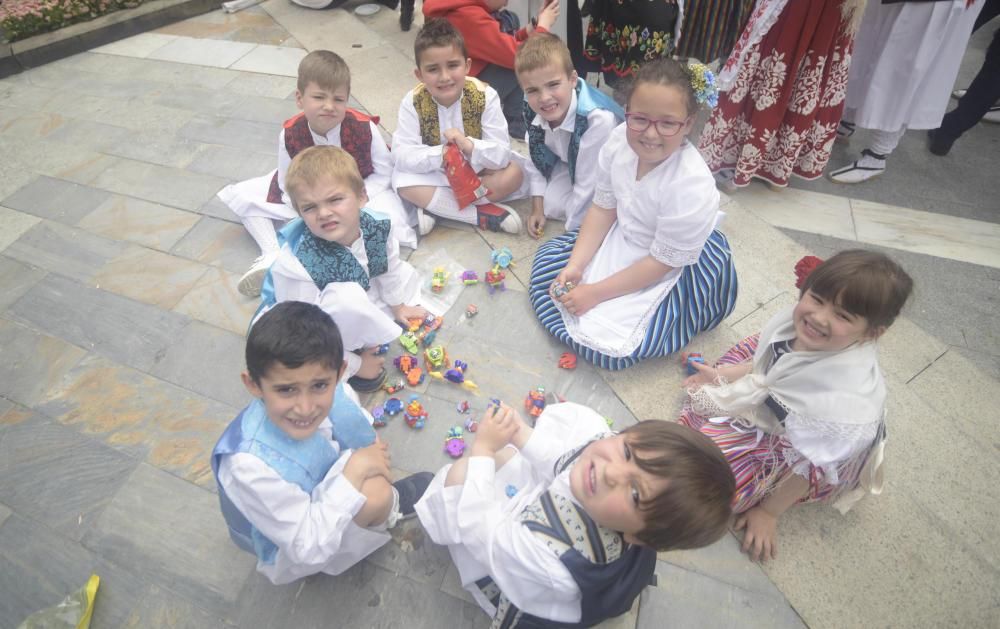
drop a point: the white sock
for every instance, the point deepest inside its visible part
(261, 229)
(445, 205)
(394, 513)
(885, 142)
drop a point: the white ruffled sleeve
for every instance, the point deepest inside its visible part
(493, 151)
(827, 445)
(409, 151)
(381, 178)
(689, 209)
(400, 284)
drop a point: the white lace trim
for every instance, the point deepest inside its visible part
(672, 256)
(605, 198)
(762, 20)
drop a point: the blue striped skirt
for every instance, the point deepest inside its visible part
(704, 295)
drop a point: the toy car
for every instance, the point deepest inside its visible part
(393, 387)
(415, 415)
(471, 425)
(502, 258)
(688, 360)
(409, 342)
(494, 279)
(378, 414)
(454, 442)
(463, 407)
(436, 358)
(535, 402)
(393, 406)
(430, 325)
(439, 279)
(567, 360)
(471, 310)
(415, 376)
(470, 277)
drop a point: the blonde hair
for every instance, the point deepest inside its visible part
(319, 163)
(324, 68)
(542, 50)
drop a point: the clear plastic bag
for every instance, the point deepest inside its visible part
(74, 612)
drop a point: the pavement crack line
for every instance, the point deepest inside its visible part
(927, 366)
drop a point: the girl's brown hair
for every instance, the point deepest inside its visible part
(865, 283)
(665, 72)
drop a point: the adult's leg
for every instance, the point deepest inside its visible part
(983, 93)
(504, 81)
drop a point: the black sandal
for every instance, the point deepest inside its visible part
(367, 385)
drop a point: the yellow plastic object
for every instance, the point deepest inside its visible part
(75, 611)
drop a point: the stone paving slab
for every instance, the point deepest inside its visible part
(177, 188)
(32, 362)
(148, 224)
(215, 300)
(56, 199)
(15, 280)
(67, 251)
(219, 243)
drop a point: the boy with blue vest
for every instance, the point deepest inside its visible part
(303, 483)
(568, 122)
(562, 523)
(342, 256)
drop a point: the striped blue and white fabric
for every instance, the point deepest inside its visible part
(704, 295)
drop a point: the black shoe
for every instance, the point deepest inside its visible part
(517, 129)
(940, 145)
(406, 14)
(410, 490)
(389, 4)
(367, 385)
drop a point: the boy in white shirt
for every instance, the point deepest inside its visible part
(342, 256)
(562, 523)
(324, 87)
(449, 107)
(292, 489)
(568, 122)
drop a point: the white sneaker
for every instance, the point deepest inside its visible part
(253, 279)
(870, 165)
(512, 224)
(958, 93)
(425, 222)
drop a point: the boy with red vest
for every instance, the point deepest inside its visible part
(324, 86)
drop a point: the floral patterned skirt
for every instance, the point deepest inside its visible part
(624, 34)
(780, 117)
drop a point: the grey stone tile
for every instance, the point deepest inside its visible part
(64, 250)
(5, 513)
(15, 280)
(121, 329)
(685, 599)
(206, 360)
(160, 184)
(23, 376)
(364, 596)
(216, 301)
(723, 561)
(24, 95)
(56, 199)
(241, 134)
(127, 111)
(38, 568)
(219, 243)
(267, 85)
(169, 427)
(264, 109)
(413, 555)
(149, 276)
(52, 475)
(149, 224)
(232, 163)
(164, 149)
(169, 528)
(95, 136)
(158, 607)
(197, 99)
(217, 209)
(27, 124)
(13, 224)
(452, 586)
(13, 175)
(147, 71)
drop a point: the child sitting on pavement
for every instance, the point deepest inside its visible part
(342, 256)
(448, 107)
(568, 122)
(292, 491)
(324, 87)
(562, 523)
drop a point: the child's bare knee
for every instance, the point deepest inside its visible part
(418, 195)
(378, 502)
(503, 183)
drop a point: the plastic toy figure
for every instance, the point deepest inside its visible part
(439, 279)
(415, 376)
(454, 442)
(393, 406)
(535, 402)
(502, 258)
(430, 327)
(382, 349)
(435, 358)
(404, 363)
(470, 277)
(378, 414)
(409, 342)
(463, 407)
(688, 360)
(510, 490)
(415, 415)
(471, 425)
(494, 279)
(393, 387)
(414, 324)
(471, 310)
(567, 360)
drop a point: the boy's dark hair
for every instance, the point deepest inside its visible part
(438, 32)
(324, 68)
(665, 71)
(696, 507)
(293, 333)
(865, 283)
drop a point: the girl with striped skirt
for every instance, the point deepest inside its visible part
(647, 270)
(799, 410)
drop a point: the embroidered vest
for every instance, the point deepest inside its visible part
(473, 106)
(609, 572)
(587, 100)
(304, 462)
(355, 138)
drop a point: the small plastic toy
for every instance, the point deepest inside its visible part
(454, 442)
(470, 277)
(471, 425)
(439, 279)
(510, 490)
(558, 290)
(535, 402)
(688, 360)
(471, 310)
(404, 363)
(425, 330)
(494, 279)
(415, 376)
(567, 360)
(502, 258)
(415, 415)
(435, 358)
(382, 349)
(610, 422)
(409, 342)
(393, 406)
(457, 375)
(378, 414)
(393, 387)
(463, 407)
